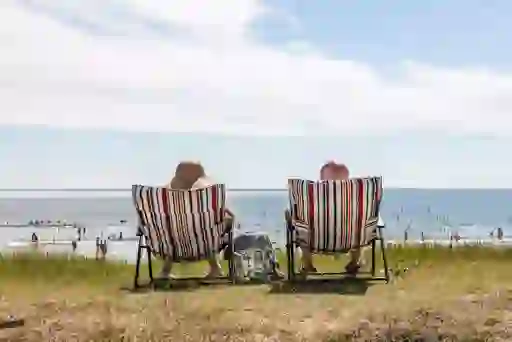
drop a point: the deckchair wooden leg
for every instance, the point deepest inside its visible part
(231, 265)
(374, 245)
(137, 265)
(150, 265)
(291, 257)
(287, 246)
(383, 251)
(290, 249)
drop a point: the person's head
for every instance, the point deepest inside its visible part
(333, 170)
(186, 174)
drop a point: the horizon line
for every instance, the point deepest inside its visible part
(229, 189)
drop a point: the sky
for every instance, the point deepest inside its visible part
(107, 93)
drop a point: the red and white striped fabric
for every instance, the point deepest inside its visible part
(335, 216)
(181, 224)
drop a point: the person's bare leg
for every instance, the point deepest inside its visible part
(307, 260)
(215, 268)
(355, 255)
(354, 260)
(276, 272)
(166, 269)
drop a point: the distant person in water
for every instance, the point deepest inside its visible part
(35, 240)
(104, 249)
(191, 175)
(332, 171)
(456, 237)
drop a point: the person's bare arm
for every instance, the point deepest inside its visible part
(229, 213)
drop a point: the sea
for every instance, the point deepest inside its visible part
(433, 213)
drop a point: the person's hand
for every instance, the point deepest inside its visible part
(229, 213)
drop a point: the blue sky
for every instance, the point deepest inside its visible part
(110, 93)
(446, 33)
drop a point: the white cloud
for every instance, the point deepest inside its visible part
(155, 65)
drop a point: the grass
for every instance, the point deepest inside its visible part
(463, 294)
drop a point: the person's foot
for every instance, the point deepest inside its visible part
(305, 270)
(215, 273)
(277, 274)
(352, 268)
(167, 275)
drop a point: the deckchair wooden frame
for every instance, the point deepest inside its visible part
(145, 245)
(292, 242)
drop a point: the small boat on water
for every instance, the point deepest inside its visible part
(117, 239)
(40, 224)
(120, 237)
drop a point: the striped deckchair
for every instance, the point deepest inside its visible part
(333, 217)
(183, 225)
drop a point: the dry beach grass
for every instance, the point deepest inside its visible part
(464, 294)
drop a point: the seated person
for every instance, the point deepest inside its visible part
(191, 175)
(332, 171)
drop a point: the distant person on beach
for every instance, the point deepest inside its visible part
(332, 171)
(97, 247)
(101, 248)
(191, 175)
(500, 233)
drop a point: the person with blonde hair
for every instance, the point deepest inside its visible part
(332, 171)
(191, 175)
